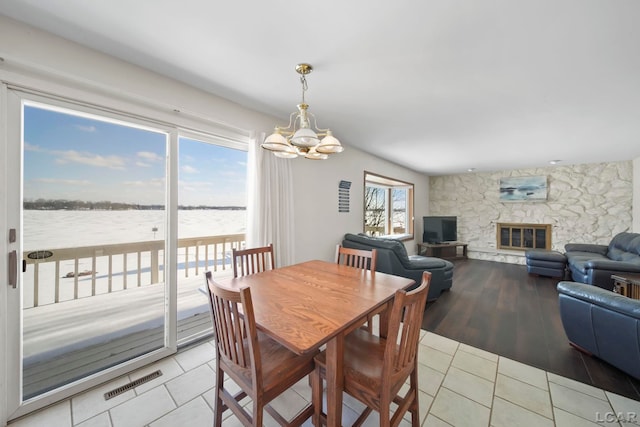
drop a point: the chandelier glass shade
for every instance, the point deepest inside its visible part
(302, 137)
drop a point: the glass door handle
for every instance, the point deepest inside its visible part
(13, 269)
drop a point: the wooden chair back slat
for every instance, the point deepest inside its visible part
(233, 339)
(358, 258)
(253, 260)
(404, 327)
(362, 259)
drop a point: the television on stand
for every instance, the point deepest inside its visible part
(440, 229)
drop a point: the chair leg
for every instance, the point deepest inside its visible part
(316, 395)
(370, 324)
(362, 418)
(415, 406)
(385, 417)
(258, 413)
(219, 405)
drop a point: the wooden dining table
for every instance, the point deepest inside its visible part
(307, 305)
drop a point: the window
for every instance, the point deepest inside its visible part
(388, 206)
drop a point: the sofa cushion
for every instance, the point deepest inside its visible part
(394, 245)
(625, 247)
(588, 248)
(576, 256)
(581, 262)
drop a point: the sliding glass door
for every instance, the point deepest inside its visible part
(92, 289)
(114, 220)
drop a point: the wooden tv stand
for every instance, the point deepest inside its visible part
(443, 250)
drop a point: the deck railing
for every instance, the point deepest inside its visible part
(127, 265)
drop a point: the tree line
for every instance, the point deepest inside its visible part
(81, 205)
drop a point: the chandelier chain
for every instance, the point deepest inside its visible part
(303, 80)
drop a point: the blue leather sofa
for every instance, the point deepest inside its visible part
(392, 258)
(602, 323)
(594, 264)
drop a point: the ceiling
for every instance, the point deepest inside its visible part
(439, 86)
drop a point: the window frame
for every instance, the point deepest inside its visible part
(375, 180)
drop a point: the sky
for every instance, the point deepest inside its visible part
(78, 157)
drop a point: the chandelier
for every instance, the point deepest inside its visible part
(299, 138)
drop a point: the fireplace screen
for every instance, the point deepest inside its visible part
(524, 236)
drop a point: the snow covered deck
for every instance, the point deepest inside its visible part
(66, 341)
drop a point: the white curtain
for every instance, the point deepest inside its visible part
(270, 202)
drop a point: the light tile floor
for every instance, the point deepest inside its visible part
(459, 386)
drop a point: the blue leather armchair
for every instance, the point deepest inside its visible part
(392, 258)
(602, 323)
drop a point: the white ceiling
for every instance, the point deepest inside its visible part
(438, 86)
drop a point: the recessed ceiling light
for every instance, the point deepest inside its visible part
(554, 162)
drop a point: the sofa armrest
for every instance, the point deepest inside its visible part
(419, 262)
(586, 247)
(601, 297)
(611, 265)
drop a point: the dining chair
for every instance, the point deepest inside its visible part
(261, 367)
(252, 260)
(358, 258)
(375, 368)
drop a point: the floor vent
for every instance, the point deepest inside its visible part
(133, 384)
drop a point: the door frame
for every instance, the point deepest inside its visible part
(4, 250)
(33, 79)
(12, 145)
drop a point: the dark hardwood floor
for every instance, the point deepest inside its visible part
(502, 309)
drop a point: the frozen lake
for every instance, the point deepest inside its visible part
(67, 229)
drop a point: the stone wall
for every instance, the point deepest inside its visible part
(588, 203)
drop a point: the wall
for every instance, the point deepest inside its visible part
(318, 225)
(636, 195)
(586, 203)
(59, 59)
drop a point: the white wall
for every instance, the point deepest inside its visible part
(21, 44)
(318, 224)
(636, 195)
(587, 203)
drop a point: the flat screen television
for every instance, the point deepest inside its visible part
(439, 229)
